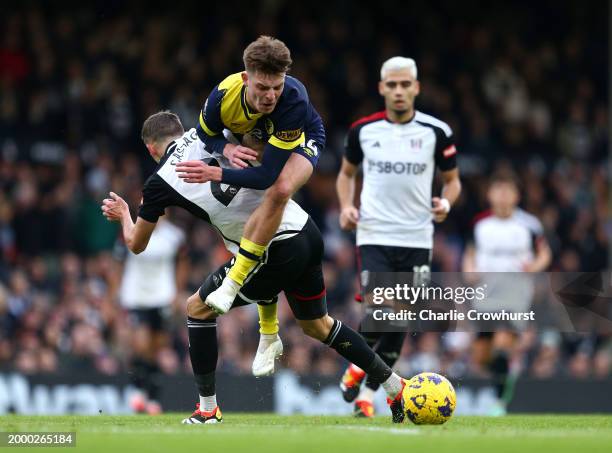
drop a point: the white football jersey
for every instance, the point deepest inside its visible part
(398, 163)
(505, 244)
(224, 206)
(149, 278)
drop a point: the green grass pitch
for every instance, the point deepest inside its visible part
(274, 433)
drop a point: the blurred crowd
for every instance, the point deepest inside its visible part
(76, 83)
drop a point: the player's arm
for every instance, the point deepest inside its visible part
(210, 125)
(451, 189)
(289, 135)
(345, 183)
(543, 256)
(260, 178)
(468, 263)
(136, 235)
(445, 155)
(182, 269)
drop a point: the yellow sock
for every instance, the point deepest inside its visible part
(268, 321)
(247, 258)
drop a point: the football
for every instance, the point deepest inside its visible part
(429, 399)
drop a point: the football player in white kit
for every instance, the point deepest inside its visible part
(399, 149)
(291, 263)
(507, 244)
(148, 302)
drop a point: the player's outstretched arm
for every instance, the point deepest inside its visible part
(136, 235)
(263, 176)
(259, 178)
(345, 187)
(196, 171)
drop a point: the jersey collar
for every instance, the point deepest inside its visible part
(245, 105)
(401, 122)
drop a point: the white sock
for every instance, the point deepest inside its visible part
(268, 338)
(230, 286)
(366, 394)
(393, 385)
(208, 403)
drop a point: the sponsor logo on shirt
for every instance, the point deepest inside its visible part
(398, 168)
(288, 136)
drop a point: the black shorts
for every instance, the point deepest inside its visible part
(291, 265)
(385, 258)
(153, 318)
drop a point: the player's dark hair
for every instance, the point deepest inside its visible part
(267, 55)
(505, 178)
(161, 125)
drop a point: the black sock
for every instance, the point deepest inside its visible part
(143, 374)
(203, 351)
(350, 345)
(138, 373)
(500, 368)
(371, 338)
(389, 349)
(151, 384)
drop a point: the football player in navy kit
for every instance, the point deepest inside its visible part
(399, 149)
(260, 103)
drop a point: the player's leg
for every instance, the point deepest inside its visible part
(308, 303)
(159, 340)
(262, 289)
(413, 261)
(350, 345)
(502, 347)
(203, 349)
(371, 258)
(388, 348)
(143, 364)
(260, 228)
(203, 352)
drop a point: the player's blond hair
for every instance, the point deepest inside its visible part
(397, 64)
(267, 55)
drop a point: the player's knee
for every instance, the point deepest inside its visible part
(197, 309)
(281, 191)
(317, 328)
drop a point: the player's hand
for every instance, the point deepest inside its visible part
(114, 208)
(529, 266)
(349, 217)
(238, 155)
(196, 171)
(440, 209)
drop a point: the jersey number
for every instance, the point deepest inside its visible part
(421, 275)
(226, 196)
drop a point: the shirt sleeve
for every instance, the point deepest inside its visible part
(352, 146)
(210, 126)
(155, 199)
(260, 177)
(446, 152)
(210, 115)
